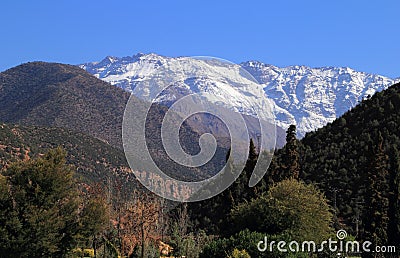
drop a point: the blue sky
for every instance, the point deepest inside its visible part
(364, 35)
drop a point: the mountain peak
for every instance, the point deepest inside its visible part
(308, 97)
(108, 60)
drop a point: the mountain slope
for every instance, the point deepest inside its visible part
(93, 159)
(65, 96)
(308, 97)
(215, 82)
(59, 95)
(337, 157)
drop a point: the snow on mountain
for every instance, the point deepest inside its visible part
(307, 97)
(316, 96)
(218, 82)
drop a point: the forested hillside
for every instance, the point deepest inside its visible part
(339, 157)
(93, 159)
(355, 164)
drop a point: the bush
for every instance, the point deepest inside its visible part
(247, 242)
(239, 254)
(151, 251)
(224, 247)
(78, 252)
(289, 208)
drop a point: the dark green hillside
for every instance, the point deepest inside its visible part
(354, 163)
(339, 156)
(92, 158)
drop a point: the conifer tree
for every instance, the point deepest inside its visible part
(291, 157)
(394, 201)
(41, 212)
(249, 168)
(253, 156)
(9, 223)
(215, 211)
(377, 202)
(240, 190)
(45, 207)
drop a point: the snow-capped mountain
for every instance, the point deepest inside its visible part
(316, 96)
(307, 97)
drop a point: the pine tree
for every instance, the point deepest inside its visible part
(93, 220)
(394, 201)
(212, 213)
(44, 208)
(240, 191)
(9, 223)
(291, 167)
(377, 202)
(253, 155)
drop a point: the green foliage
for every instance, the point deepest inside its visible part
(40, 208)
(377, 201)
(9, 223)
(179, 241)
(45, 203)
(93, 158)
(337, 157)
(244, 240)
(151, 251)
(394, 200)
(291, 167)
(239, 254)
(93, 220)
(79, 252)
(110, 249)
(211, 215)
(286, 162)
(189, 245)
(291, 208)
(248, 241)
